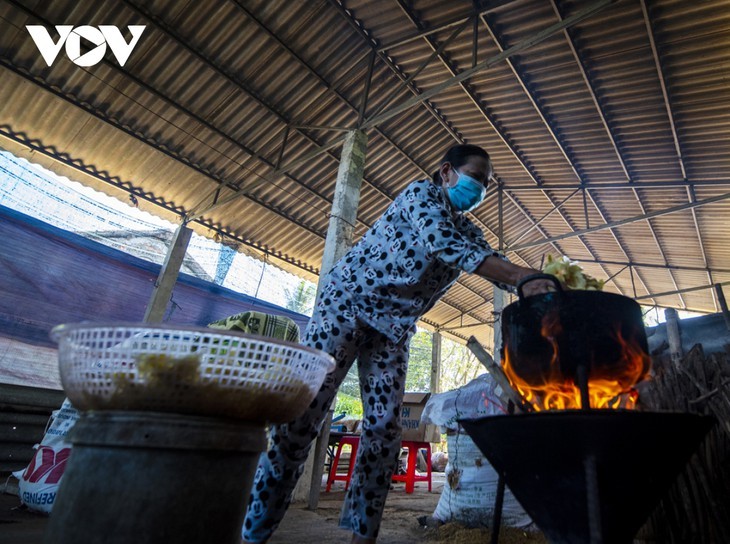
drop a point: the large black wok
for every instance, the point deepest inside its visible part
(588, 329)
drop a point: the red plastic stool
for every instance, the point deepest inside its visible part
(348, 440)
(410, 477)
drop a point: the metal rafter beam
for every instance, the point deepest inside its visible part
(192, 215)
(261, 101)
(554, 245)
(552, 130)
(626, 221)
(372, 43)
(604, 120)
(484, 65)
(101, 175)
(493, 4)
(675, 135)
(657, 266)
(584, 73)
(236, 81)
(347, 15)
(615, 236)
(692, 197)
(517, 71)
(658, 244)
(623, 185)
(202, 170)
(495, 126)
(329, 87)
(686, 290)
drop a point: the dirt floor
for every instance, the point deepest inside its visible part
(400, 523)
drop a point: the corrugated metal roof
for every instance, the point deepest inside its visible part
(624, 114)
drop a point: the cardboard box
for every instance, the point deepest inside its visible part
(413, 429)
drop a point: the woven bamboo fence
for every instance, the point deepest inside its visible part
(697, 508)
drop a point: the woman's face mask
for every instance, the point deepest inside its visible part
(467, 194)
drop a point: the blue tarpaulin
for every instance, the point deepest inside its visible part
(49, 276)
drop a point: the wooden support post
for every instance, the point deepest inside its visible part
(498, 294)
(498, 303)
(508, 393)
(435, 362)
(320, 452)
(723, 304)
(673, 336)
(155, 311)
(339, 239)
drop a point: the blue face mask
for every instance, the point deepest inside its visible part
(467, 194)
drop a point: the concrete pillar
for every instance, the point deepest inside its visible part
(673, 335)
(435, 362)
(339, 240)
(345, 202)
(165, 283)
(498, 302)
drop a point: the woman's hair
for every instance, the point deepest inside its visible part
(457, 156)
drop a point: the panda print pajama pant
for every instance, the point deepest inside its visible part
(382, 365)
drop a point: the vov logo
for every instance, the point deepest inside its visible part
(101, 37)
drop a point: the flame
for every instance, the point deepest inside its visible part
(559, 392)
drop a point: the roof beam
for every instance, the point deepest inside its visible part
(614, 235)
(677, 146)
(623, 185)
(614, 224)
(193, 214)
(281, 170)
(553, 131)
(466, 74)
(604, 120)
(103, 176)
(663, 85)
(347, 15)
(493, 5)
(517, 71)
(655, 265)
(101, 115)
(686, 290)
(495, 126)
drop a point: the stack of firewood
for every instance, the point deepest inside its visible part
(696, 508)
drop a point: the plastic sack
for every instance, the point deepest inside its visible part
(478, 398)
(39, 482)
(471, 487)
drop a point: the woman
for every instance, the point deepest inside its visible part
(367, 310)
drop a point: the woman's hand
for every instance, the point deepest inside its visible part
(495, 269)
(537, 286)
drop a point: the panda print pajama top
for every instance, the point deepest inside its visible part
(367, 310)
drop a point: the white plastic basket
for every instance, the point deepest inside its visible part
(122, 366)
